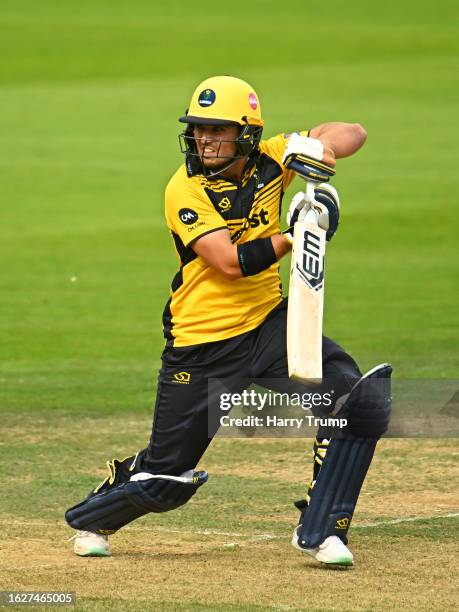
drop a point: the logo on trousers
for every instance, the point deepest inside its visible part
(342, 523)
(182, 377)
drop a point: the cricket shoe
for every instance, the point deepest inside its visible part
(332, 551)
(89, 544)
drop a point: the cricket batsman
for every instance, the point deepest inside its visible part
(226, 316)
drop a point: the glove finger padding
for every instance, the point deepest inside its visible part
(320, 198)
(327, 196)
(308, 158)
(298, 203)
(309, 168)
(298, 209)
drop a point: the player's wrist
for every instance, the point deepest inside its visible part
(256, 255)
(282, 244)
(288, 233)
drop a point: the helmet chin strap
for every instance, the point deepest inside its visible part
(210, 174)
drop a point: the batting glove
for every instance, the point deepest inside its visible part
(320, 205)
(305, 156)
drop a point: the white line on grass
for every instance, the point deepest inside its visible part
(232, 534)
(271, 536)
(409, 519)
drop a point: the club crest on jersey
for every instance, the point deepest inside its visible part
(188, 216)
(206, 97)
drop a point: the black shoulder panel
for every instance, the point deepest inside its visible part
(186, 254)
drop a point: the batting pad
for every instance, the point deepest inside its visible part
(336, 490)
(108, 511)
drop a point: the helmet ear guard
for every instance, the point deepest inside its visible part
(249, 139)
(187, 143)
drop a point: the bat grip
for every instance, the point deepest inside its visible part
(310, 186)
(312, 215)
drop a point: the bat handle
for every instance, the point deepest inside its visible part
(312, 215)
(310, 186)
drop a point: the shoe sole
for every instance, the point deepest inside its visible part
(93, 552)
(342, 561)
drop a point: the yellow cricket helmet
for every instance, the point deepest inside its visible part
(224, 100)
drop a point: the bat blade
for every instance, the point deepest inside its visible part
(305, 303)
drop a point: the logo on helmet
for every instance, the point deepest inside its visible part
(206, 97)
(253, 101)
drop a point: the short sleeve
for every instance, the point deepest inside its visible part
(275, 148)
(189, 213)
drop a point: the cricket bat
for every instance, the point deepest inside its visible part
(306, 301)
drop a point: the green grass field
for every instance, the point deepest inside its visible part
(90, 93)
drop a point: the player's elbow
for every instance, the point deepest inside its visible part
(231, 271)
(228, 264)
(360, 134)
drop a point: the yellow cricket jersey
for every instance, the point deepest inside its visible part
(204, 305)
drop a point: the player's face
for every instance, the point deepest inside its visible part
(215, 143)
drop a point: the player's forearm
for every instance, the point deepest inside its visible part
(233, 266)
(235, 261)
(343, 138)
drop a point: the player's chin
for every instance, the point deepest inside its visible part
(214, 163)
